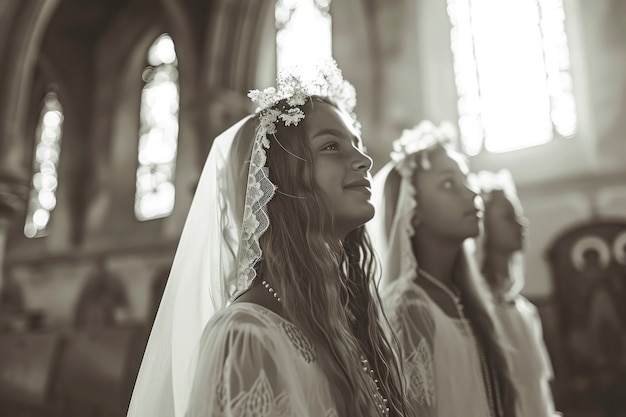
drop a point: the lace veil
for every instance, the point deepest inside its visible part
(219, 244)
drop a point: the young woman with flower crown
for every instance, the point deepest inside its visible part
(268, 310)
(499, 252)
(452, 359)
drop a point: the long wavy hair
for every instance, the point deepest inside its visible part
(326, 284)
(475, 297)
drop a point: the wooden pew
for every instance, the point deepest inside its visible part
(27, 368)
(97, 370)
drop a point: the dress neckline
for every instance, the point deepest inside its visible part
(431, 301)
(255, 306)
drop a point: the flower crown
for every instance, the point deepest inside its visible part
(423, 136)
(488, 182)
(296, 85)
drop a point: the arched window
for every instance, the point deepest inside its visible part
(303, 32)
(511, 64)
(158, 134)
(42, 199)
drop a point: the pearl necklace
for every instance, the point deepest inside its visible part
(455, 297)
(378, 398)
(380, 401)
(271, 290)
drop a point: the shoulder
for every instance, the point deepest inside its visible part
(242, 323)
(406, 298)
(248, 328)
(242, 316)
(409, 309)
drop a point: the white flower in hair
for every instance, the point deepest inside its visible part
(424, 135)
(267, 121)
(489, 182)
(292, 117)
(297, 99)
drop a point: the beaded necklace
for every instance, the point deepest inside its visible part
(456, 298)
(379, 400)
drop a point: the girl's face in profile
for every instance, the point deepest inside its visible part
(341, 167)
(448, 208)
(504, 223)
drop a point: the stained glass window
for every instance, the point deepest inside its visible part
(512, 73)
(158, 135)
(304, 33)
(42, 199)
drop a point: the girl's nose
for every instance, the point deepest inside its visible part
(522, 221)
(362, 161)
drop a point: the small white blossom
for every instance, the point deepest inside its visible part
(297, 99)
(292, 117)
(423, 136)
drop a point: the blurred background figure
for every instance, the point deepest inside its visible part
(108, 109)
(500, 256)
(588, 265)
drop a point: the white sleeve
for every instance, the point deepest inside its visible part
(413, 326)
(547, 373)
(239, 374)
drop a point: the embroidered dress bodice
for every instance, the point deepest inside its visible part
(252, 362)
(529, 359)
(440, 355)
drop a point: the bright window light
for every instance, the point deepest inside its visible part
(158, 135)
(304, 34)
(511, 64)
(42, 199)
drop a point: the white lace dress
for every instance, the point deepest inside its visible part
(530, 363)
(440, 357)
(252, 362)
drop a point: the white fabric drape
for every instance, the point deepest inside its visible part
(191, 296)
(529, 359)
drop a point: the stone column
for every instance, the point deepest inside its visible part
(22, 25)
(13, 192)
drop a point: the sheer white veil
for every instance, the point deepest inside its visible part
(191, 295)
(391, 228)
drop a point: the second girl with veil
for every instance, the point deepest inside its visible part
(454, 362)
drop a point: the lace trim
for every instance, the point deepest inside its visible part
(331, 413)
(259, 191)
(302, 344)
(299, 341)
(259, 401)
(420, 374)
